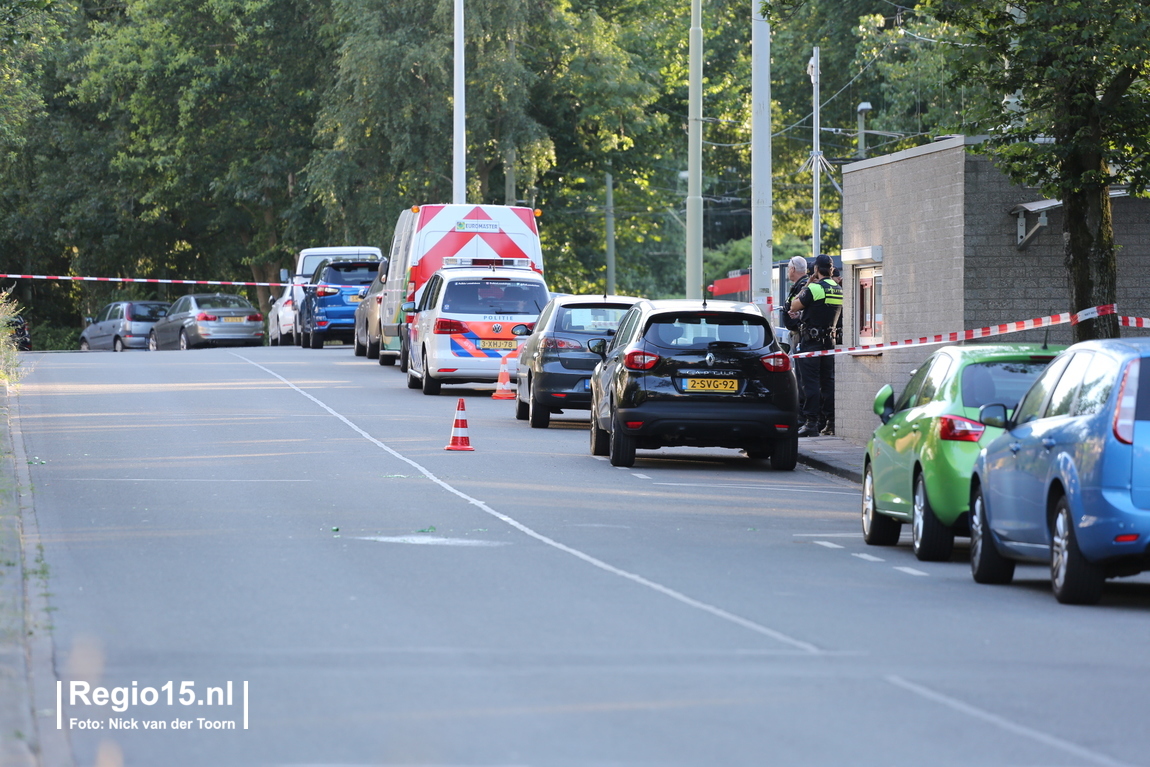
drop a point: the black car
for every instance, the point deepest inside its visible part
(554, 368)
(686, 372)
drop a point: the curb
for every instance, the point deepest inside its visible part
(838, 470)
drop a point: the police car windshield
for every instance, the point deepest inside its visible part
(707, 330)
(494, 297)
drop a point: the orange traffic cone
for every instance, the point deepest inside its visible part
(459, 440)
(504, 389)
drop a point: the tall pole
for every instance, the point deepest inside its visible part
(762, 195)
(610, 288)
(816, 157)
(459, 143)
(695, 156)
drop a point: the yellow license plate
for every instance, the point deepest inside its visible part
(712, 384)
(355, 299)
(233, 319)
(498, 343)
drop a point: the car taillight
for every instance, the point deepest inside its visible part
(640, 360)
(1127, 401)
(443, 326)
(287, 303)
(205, 317)
(551, 342)
(326, 290)
(127, 314)
(959, 429)
(779, 362)
(257, 317)
(378, 299)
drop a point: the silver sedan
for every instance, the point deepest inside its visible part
(208, 319)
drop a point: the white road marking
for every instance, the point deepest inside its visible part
(910, 571)
(826, 535)
(868, 557)
(640, 476)
(1005, 724)
(173, 479)
(827, 544)
(763, 486)
(430, 540)
(718, 612)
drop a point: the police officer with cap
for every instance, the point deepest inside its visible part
(818, 307)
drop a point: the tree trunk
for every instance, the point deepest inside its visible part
(1091, 259)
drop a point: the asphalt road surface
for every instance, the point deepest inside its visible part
(285, 526)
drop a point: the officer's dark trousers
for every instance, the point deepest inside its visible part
(817, 379)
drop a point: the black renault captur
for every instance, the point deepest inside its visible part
(686, 372)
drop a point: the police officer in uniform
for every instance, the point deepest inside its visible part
(819, 305)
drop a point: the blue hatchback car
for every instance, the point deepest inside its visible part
(329, 301)
(1068, 482)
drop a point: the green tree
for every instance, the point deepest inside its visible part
(1077, 121)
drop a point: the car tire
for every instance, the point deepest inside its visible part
(184, 345)
(84, 345)
(785, 454)
(385, 360)
(315, 339)
(537, 414)
(600, 440)
(372, 351)
(430, 386)
(987, 565)
(404, 357)
(1075, 580)
(153, 342)
(274, 337)
(522, 411)
(931, 540)
(413, 381)
(297, 336)
(878, 529)
(620, 446)
(117, 344)
(357, 348)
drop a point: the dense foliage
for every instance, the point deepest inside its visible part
(210, 139)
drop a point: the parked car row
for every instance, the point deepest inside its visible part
(194, 320)
(1038, 458)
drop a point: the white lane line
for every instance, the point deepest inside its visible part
(826, 535)
(827, 544)
(1005, 724)
(868, 557)
(910, 571)
(718, 612)
(173, 479)
(640, 476)
(430, 540)
(763, 486)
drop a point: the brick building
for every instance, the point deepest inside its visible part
(936, 239)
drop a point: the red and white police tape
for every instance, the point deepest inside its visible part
(941, 338)
(150, 280)
(992, 330)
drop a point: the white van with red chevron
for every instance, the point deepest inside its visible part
(429, 237)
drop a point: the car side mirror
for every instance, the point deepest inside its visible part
(521, 330)
(363, 292)
(599, 346)
(285, 275)
(89, 320)
(884, 403)
(408, 307)
(994, 414)
(382, 270)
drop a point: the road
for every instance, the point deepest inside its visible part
(288, 520)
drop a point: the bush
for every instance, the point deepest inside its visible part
(48, 337)
(9, 359)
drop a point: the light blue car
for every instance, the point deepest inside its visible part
(1068, 482)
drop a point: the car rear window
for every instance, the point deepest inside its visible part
(591, 319)
(350, 274)
(494, 297)
(699, 330)
(1002, 381)
(147, 312)
(222, 302)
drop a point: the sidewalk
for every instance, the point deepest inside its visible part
(835, 455)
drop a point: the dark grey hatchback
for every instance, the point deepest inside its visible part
(554, 367)
(704, 374)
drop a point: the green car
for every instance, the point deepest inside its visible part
(918, 462)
